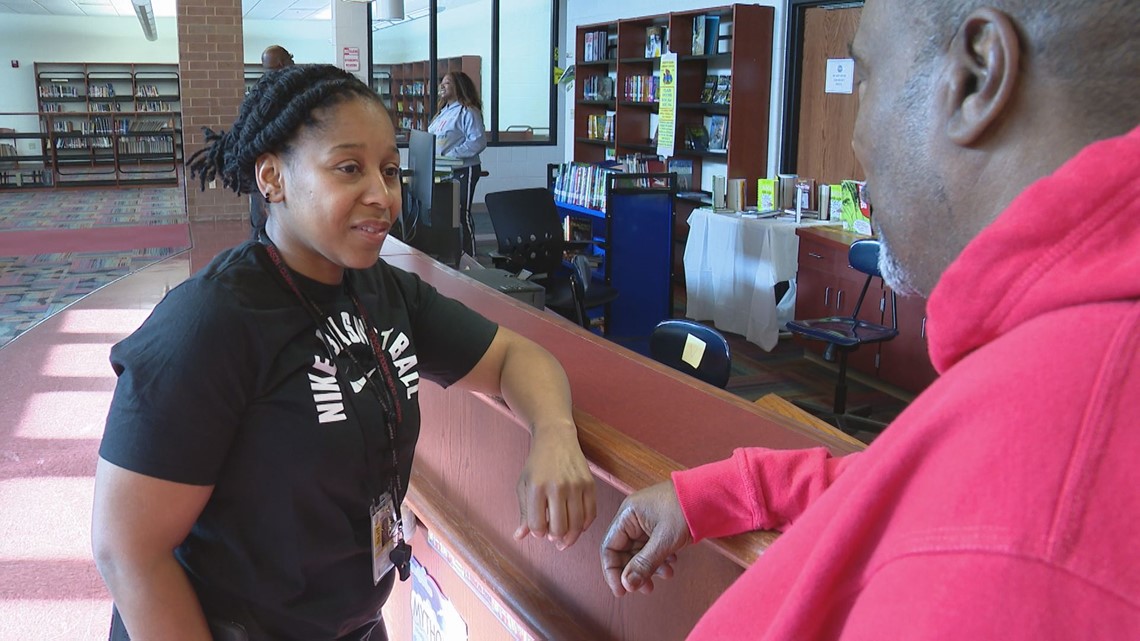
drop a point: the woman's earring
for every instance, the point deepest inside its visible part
(266, 196)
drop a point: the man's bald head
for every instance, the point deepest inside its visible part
(1089, 46)
(276, 57)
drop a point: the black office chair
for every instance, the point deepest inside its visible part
(844, 334)
(708, 357)
(529, 234)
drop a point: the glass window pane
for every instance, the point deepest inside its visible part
(525, 78)
(464, 44)
(400, 71)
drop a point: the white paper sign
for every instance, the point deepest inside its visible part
(840, 75)
(352, 58)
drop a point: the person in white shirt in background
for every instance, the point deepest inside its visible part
(459, 132)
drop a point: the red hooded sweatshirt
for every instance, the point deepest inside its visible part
(1004, 503)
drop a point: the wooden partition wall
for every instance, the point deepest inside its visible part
(637, 420)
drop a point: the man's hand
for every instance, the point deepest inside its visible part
(643, 540)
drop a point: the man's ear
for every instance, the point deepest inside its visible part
(983, 74)
(267, 171)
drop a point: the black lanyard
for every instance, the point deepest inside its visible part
(386, 395)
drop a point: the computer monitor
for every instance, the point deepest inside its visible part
(421, 164)
(431, 206)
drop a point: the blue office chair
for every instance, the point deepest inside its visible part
(844, 334)
(713, 361)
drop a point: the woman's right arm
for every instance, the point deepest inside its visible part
(137, 523)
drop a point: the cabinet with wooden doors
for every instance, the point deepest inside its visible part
(826, 285)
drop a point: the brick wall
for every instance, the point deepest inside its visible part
(210, 63)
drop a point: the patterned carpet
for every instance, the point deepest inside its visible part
(35, 286)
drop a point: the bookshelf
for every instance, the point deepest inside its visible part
(412, 98)
(629, 217)
(612, 55)
(98, 124)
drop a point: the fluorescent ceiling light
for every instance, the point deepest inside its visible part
(145, 12)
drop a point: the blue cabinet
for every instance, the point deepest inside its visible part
(635, 247)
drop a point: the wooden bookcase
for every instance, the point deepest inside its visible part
(106, 124)
(743, 53)
(412, 99)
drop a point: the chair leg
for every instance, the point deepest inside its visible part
(841, 385)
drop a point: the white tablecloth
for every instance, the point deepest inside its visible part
(732, 265)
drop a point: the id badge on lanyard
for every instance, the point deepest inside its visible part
(385, 535)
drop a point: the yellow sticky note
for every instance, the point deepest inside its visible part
(694, 351)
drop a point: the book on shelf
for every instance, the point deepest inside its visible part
(712, 34)
(600, 126)
(698, 35)
(723, 95)
(699, 196)
(598, 88)
(655, 41)
(709, 90)
(696, 138)
(718, 132)
(577, 228)
(683, 167)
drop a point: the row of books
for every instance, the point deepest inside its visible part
(155, 105)
(410, 107)
(582, 184)
(642, 88)
(147, 91)
(146, 145)
(598, 88)
(412, 88)
(600, 126)
(711, 135)
(706, 34)
(101, 91)
(407, 122)
(596, 46)
(58, 91)
(717, 90)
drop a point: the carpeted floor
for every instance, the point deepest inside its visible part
(57, 246)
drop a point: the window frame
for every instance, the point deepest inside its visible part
(492, 131)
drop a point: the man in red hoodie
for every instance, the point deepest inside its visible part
(1001, 145)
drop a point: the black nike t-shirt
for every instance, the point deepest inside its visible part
(231, 383)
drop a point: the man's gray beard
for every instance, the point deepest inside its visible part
(893, 273)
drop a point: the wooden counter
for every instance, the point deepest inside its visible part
(638, 421)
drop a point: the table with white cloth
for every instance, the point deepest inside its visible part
(732, 264)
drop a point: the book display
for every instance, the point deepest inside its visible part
(723, 93)
(105, 124)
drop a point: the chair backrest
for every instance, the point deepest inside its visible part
(863, 255)
(693, 348)
(527, 228)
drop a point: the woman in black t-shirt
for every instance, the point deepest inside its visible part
(266, 414)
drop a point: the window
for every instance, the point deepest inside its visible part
(515, 78)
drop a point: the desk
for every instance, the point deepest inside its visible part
(635, 422)
(732, 265)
